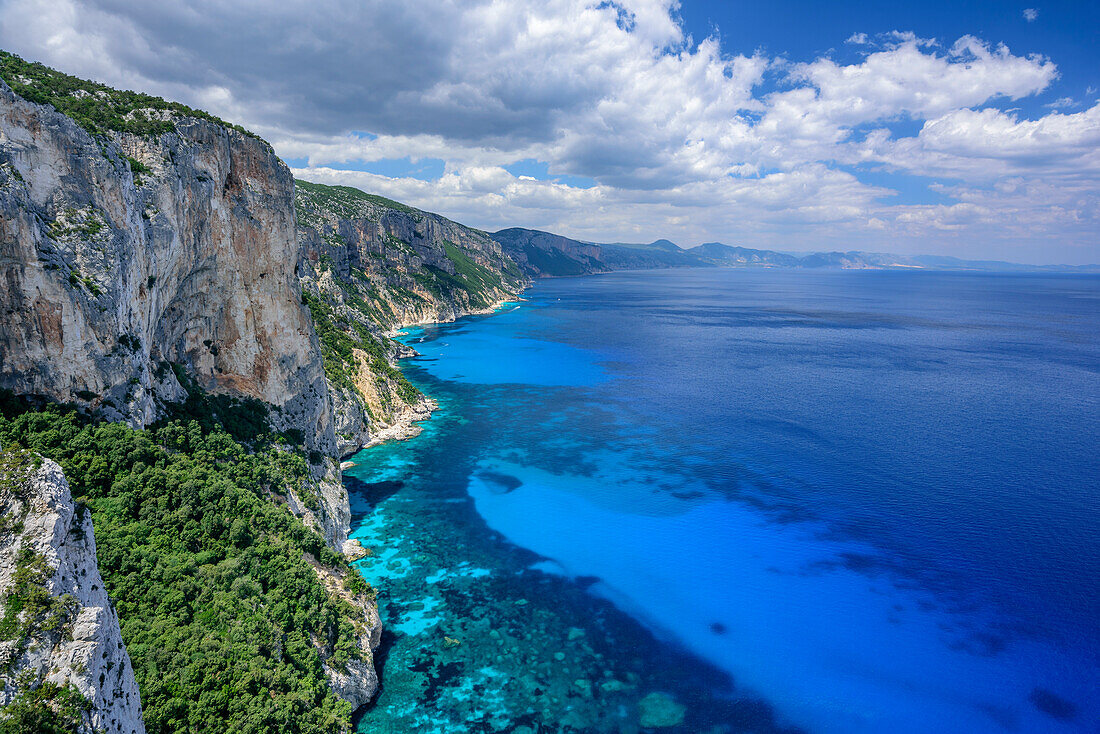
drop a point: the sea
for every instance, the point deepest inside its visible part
(726, 500)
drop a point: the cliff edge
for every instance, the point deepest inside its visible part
(60, 633)
(124, 252)
(368, 265)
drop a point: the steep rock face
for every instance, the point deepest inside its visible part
(369, 265)
(47, 544)
(108, 275)
(425, 267)
(332, 518)
(356, 680)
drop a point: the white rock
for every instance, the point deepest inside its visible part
(94, 660)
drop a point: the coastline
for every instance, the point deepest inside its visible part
(466, 609)
(407, 423)
(486, 311)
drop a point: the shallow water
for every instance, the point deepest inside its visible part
(747, 500)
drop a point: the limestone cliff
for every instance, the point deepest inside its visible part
(125, 253)
(108, 274)
(356, 680)
(59, 627)
(369, 265)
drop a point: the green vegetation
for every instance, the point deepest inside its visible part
(475, 279)
(10, 170)
(17, 467)
(84, 224)
(338, 340)
(138, 168)
(222, 614)
(342, 201)
(76, 280)
(245, 419)
(96, 107)
(30, 611)
(44, 708)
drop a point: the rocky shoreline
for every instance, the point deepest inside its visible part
(405, 351)
(405, 426)
(407, 422)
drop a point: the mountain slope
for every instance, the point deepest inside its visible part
(368, 265)
(543, 255)
(149, 263)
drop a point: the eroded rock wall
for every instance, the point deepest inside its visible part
(107, 274)
(374, 265)
(48, 540)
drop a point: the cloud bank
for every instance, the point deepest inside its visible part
(634, 129)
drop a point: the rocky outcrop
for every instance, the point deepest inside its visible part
(329, 511)
(354, 680)
(66, 632)
(109, 274)
(371, 265)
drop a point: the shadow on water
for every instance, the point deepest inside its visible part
(601, 660)
(373, 493)
(381, 655)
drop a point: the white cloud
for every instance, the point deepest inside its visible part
(1030, 14)
(676, 131)
(1061, 103)
(983, 146)
(906, 80)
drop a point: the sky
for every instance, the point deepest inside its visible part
(967, 129)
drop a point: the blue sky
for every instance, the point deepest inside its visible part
(1067, 32)
(967, 129)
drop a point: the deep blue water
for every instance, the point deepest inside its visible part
(870, 498)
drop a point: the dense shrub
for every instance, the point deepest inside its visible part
(221, 612)
(96, 107)
(44, 708)
(340, 337)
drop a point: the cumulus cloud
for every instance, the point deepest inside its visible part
(678, 133)
(1030, 14)
(984, 146)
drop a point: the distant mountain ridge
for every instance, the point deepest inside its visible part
(542, 255)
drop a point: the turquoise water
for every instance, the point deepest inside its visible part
(728, 500)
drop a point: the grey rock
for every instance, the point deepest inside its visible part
(109, 277)
(105, 278)
(90, 654)
(365, 247)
